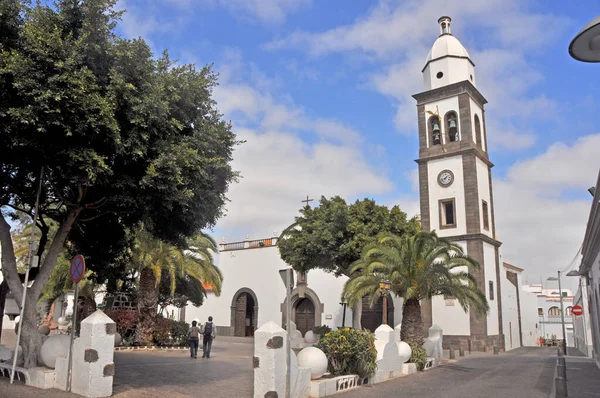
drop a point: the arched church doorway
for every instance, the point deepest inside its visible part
(372, 318)
(305, 315)
(244, 313)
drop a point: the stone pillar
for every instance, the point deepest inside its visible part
(270, 345)
(93, 358)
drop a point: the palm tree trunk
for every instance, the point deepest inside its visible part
(85, 308)
(147, 302)
(412, 325)
(356, 315)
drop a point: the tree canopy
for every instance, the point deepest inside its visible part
(122, 137)
(333, 235)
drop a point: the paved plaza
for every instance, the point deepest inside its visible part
(172, 374)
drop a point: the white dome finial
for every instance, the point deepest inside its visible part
(445, 25)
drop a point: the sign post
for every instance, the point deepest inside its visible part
(76, 272)
(577, 310)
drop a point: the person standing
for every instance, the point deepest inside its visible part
(209, 335)
(194, 339)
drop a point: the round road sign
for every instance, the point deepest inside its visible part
(577, 310)
(77, 269)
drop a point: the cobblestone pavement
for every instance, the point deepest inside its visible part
(170, 374)
(521, 373)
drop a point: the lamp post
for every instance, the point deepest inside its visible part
(385, 290)
(562, 312)
(585, 47)
(344, 303)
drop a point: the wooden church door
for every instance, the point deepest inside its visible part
(305, 315)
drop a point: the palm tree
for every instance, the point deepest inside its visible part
(152, 257)
(419, 267)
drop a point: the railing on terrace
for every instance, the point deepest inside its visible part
(555, 319)
(248, 244)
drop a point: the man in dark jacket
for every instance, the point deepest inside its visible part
(209, 335)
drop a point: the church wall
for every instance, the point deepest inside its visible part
(489, 255)
(449, 314)
(257, 269)
(510, 315)
(483, 184)
(444, 106)
(529, 318)
(476, 109)
(456, 190)
(329, 288)
(454, 70)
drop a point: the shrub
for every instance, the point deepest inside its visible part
(321, 331)
(419, 356)
(126, 321)
(179, 332)
(161, 333)
(350, 351)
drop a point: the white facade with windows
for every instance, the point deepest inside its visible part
(590, 268)
(549, 312)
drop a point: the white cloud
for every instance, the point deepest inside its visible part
(540, 226)
(278, 167)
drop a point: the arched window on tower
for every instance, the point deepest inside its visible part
(451, 122)
(435, 130)
(478, 137)
(569, 311)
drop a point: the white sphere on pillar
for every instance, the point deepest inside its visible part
(404, 351)
(314, 359)
(55, 346)
(310, 337)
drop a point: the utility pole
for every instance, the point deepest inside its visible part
(562, 316)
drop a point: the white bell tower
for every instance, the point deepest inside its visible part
(455, 186)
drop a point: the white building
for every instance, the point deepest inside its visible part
(456, 200)
(549, 312)
(582, 332)
(590, 269)
(253, 294)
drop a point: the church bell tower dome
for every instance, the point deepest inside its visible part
(448, 61)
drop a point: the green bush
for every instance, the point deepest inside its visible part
(349, 351)
(320, 331)
(179, 332)
(161, 333)
(419, 356)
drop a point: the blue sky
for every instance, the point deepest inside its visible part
(321, 91)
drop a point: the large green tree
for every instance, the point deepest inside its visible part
(419, 267)
(333, 235)
(122, 137)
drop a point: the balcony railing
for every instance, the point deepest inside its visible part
(248, 244)
(555, 319)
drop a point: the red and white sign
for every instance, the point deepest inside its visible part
(577, 310)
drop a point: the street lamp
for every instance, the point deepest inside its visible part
(585, 46)
(344, 303)
(385, 290)
(562, 312)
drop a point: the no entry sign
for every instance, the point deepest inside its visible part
(77, 268)
(577, 310)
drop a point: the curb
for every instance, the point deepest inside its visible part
(151, 348)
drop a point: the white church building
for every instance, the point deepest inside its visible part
(456, 200)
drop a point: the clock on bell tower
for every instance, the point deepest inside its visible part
(455, 185)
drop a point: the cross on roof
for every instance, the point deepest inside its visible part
(307, 200)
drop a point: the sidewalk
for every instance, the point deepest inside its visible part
(583, 377)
